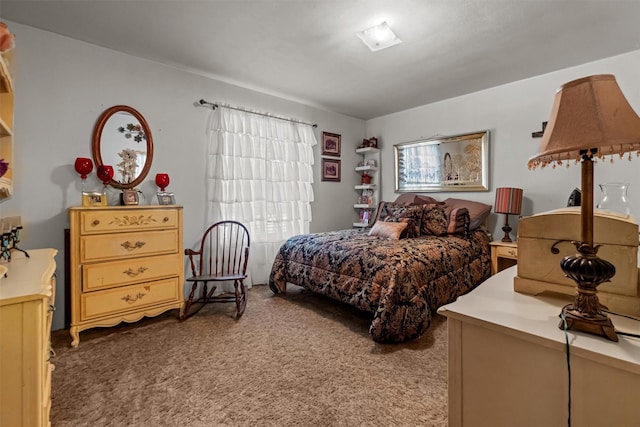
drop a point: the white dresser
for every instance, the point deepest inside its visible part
(26, 310)
(125, 263)
(507, 363)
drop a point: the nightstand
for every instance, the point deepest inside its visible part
(503, 255)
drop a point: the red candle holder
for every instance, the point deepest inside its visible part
(162, 181)
(105, 174)
(83, 166)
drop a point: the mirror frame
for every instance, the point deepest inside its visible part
(473, 148)
(96, 144)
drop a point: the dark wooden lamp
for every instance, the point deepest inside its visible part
(590, 119)
(508, 202)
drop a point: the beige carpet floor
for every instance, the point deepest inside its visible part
(294, 360)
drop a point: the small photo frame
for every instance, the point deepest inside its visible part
(331, 170)
(94, 198)
(331, 144)
(129, 197)
(165, 198)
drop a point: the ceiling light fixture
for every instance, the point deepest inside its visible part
(379, 37)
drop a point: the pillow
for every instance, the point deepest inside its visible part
(478, 212)
(392, 212)
(423, 200)
(458, 221)
(413, 199)
(435, 220)
(390, 230)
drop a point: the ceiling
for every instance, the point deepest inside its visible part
(307, 50)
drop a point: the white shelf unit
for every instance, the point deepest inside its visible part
(370, 165)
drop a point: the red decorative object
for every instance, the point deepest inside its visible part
(366, 178)
(83, 166)
(105, 174)
(162, 181)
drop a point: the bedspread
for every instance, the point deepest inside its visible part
(401, 282)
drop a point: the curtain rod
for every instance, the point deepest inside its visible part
(214, 106)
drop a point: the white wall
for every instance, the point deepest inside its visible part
(512, 112)
(63, 85)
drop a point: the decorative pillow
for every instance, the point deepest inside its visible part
(391, 212)
(458, 220)
(435, 220)
(390, 230)
(423, 200)
(413, 199)
(409, 231)
(478, 212)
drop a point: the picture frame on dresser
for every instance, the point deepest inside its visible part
(129, 197)
(331, 144)
(165, 198)
(94, 198)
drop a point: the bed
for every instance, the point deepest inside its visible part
(400, 279)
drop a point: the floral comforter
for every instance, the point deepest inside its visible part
(401, 282)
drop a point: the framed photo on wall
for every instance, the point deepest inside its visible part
(331, 170)
(331, 144)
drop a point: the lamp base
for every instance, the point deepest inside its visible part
(507, 229)
(588, 271)
(598, 324)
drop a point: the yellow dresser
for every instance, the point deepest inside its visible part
(26, 308)
(125, 263)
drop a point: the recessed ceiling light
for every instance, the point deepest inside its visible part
(379, 37)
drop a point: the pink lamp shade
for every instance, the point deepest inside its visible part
(105, 174)
(508, 201)
(162, 181)
(83, 166)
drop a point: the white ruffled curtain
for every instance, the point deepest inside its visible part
(259, 172)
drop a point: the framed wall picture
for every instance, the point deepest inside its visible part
(331, 170)
(331, 144)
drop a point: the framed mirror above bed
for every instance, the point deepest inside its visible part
(452, 163)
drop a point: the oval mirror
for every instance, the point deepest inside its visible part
(122, 139)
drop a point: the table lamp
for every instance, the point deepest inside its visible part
(508, 202)
(590, 119)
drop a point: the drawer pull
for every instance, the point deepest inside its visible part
(95, 222)
(511, 252)
(133, 273)
(52, 307)
(131, 300)
(165, 219)
(128, 246)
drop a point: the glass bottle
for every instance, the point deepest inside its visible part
(613, 197)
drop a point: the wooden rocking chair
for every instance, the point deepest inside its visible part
(222, 257)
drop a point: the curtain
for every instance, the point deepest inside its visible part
(260, 172)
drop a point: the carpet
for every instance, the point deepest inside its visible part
(298, 359)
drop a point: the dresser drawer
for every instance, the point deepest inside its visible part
(103, 247)
(118, 273)
(506, 252)
(128, 298)
(99, 221)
